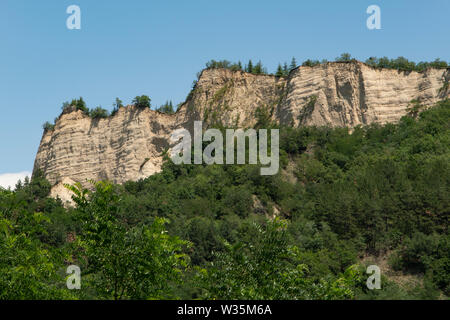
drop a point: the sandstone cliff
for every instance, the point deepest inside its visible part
(129, 145)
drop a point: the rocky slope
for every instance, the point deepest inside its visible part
(129, 145)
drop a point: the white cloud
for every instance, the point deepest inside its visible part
(10, 179)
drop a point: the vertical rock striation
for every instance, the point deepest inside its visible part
(130, 144)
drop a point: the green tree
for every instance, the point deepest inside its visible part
(293, 64)
(224, 64)
(166, 108)
(279, 72)
(258, 68)
(65, 105)
(344, 57)
(310, 63)
(414, 107)
(28, 268)
(80, 105)
(47, 126)
(268, 267)
(249, 66)
(99, 113)
(116, 106)
(142, 102)
(121, 262)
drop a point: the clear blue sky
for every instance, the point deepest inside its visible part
(128, 48)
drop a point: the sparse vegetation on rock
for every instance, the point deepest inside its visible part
(166, 108)
(212, 231)
(142, 102)
(98, 113)
(47, 126)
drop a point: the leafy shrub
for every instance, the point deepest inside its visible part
(142, 102)
(380, 188)
(225, 64)
(259, 69)
(78, 104)
(403, 64)
(166, 108)
(48, 126)
(266, 267)
(311, 63)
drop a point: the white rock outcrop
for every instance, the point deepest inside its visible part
(130, 144)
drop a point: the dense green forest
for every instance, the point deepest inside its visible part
(342, 200)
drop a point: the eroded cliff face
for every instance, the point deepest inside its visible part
(129, 145)
(349, 94)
